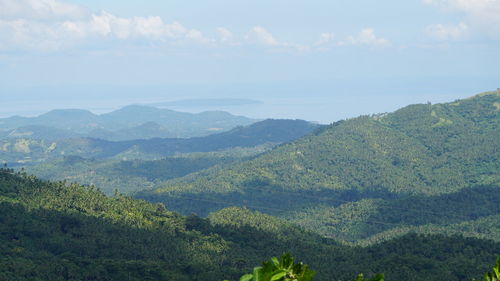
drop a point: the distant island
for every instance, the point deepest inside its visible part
(207, 102)
(127, 123)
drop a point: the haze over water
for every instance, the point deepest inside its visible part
(316, 60)
(315, 101)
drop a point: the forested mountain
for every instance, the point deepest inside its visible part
(56, 231)
(267, 131)
(148, 130)
(385, 168)
(129, 176)
(128, 123)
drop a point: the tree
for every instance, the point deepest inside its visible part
(284, 269)
(494, 275)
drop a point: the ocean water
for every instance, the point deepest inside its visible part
(323, 102)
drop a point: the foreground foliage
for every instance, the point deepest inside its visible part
(284, 269)
(58, 231)
(494, 275)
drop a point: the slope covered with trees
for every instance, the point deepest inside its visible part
(32, 151)
(129, 176)
(59, 231)
(384, 168)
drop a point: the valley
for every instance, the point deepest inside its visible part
(362, 195)
(372, 168)
(249, 140)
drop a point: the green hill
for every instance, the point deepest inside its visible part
(129, 176)
(416, 156)
(142, 164)
(473, 212)
(57, 231)
(25, 150)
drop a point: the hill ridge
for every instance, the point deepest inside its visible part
(420, 150)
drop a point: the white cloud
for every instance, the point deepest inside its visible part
(42, 36)
(197, 36)
(464, 5)
(51, 25)
(325, 38)
(366, 37)
(480, 16)
(40, 10)
(108, 25)
(224, 34)
(448, 32)
(325, 42)
(152, 28)
(260, 35)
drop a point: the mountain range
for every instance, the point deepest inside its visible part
(30, 151)
(413, 194)
(128, 123)
(141, 164)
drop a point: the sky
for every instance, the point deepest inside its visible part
(317, 60)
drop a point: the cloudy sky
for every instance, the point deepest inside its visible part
(320, 60)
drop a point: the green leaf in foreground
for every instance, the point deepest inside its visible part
(284, 269)
(494, 275)
(378, 277)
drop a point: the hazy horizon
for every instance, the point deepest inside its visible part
(316, 60)
(282, 103)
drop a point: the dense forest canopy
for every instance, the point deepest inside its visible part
(142, 164)
(29, 151)
(412, 194)
(383, 168)
(60, 231)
